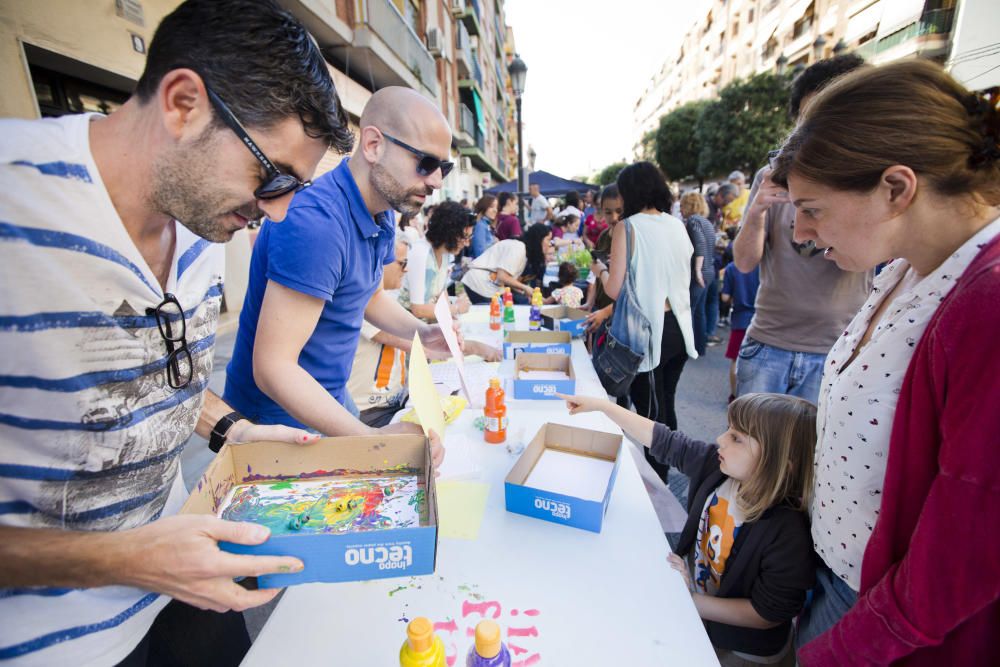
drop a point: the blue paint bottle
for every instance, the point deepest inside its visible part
(488, 651)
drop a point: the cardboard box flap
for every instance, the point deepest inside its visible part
(544, 362)
(538, 337)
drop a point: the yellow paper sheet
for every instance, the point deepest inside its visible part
(425, 397)
(460, 508)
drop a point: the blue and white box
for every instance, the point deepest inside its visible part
(537, 342)
(564, 318)
(330, 557)
(571, 493)
(530, 388)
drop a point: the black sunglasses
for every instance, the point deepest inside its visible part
(278, 184)
(180, 365)
(428, 164)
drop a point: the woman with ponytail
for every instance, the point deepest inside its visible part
(902, 163)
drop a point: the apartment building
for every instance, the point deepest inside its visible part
(60, 57)
(735, 39)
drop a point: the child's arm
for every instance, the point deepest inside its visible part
(731, 611)
(550, 299)
(669, 447)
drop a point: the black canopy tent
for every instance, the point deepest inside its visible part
(550, 185)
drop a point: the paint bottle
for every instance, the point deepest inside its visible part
(495, 412)
(495, 313)
(508, 298)
(488, 651)
(508, 316)
(535, 318)
(422, 647)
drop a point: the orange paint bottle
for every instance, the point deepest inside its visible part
(495, 313)
(495, 413)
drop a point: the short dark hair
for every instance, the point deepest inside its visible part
(642, 185)
(573, 198)
(609, 191)
(258, 58)
(448, 224)
(568, 273)
(817, 75)
(503, 198)
(727, 190)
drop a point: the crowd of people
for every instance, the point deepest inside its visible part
(841, 517)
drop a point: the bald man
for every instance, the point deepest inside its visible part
(318, 275)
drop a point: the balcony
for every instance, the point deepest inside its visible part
(466, 135)
(470, 16)
(477, 75)
(927, 37)
(398, 54)
(463, 51)
(477, 153)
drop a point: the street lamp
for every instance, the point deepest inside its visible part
(818, 47)
(781, 62)
(518, 73)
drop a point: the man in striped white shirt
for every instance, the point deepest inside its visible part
(110, 289)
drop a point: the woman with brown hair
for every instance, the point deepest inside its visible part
(901, 161)
(486, 220)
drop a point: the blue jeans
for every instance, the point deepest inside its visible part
(763, 368)
(711, 307)
(831, 599)
(699, 317)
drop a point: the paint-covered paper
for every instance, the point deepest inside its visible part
(342, 505)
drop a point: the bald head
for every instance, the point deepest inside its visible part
(407, 115)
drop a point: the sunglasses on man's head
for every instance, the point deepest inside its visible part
(277, 183)
(427, 164)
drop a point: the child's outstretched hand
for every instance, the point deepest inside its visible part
(576, 404)
(678, 564)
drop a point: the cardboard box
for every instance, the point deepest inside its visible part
(329, 557)
(538, 342)
(531, 389)
(564, 318)
(562, 508)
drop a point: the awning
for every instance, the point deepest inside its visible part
(898, 14)
(480, 120)
(794, 12)
(864, 22)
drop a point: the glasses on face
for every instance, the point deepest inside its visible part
(277, 184)
(427, 164)
(402, 264)
(170, 315)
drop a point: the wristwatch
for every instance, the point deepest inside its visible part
(221, 430)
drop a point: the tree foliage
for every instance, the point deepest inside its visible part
(675, 144)
(609, 174)
(737, 130)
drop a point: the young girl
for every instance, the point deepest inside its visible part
(567, 294)
(745, 551)
(564, 230)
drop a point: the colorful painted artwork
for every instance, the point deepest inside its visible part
(344, 505)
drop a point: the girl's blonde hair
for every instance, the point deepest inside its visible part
(693, 203)
(785, 427)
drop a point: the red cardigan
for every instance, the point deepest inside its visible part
(930, 579)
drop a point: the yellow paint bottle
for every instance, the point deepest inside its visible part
(422, 647)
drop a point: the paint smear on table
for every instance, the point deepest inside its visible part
(346, 505)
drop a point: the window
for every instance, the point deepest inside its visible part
(59, 94)
(750, 15)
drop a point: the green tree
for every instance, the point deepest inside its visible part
(675, 144)
(609, 174)
(737, 130)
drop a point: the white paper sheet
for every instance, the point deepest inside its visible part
(572, 475)
(477, 376)
(442, 312)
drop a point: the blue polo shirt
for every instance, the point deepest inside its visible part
(330, 247)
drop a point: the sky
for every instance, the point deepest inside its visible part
(588, 62)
